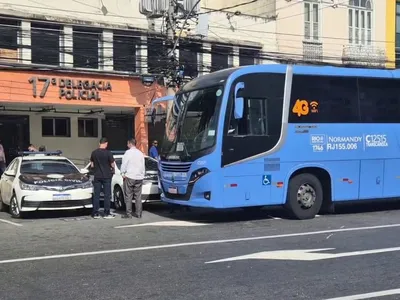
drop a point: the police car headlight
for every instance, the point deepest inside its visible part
(196, 175)
(29, 187)
(85, 185)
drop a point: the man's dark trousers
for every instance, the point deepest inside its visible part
(133, 191)
(98, 185)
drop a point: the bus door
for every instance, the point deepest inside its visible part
(253, 125)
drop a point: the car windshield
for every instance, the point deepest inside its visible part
(192, 124)
(47, 166)
(150, 164)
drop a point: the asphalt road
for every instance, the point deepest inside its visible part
(178, 256)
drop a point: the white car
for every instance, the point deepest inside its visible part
(44, 181)
(150, 188)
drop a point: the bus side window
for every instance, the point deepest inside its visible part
(256, 119)
(259, 129)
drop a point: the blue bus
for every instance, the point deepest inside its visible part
(303, 137)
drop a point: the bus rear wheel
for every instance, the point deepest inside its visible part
(305, 196)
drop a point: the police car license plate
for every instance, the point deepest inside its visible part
(173, 190)
(61, 196)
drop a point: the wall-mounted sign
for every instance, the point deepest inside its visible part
(72, 89)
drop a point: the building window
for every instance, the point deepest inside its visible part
(248, 57)
(157, 54)
(311, 20)
(86, 48)
(45, 40)
(188, 57)
(220, 57)
(125, 45)
(9, 40)
(57, 127)
(87, 127)
(360, 22)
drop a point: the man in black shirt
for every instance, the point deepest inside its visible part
(103, 165)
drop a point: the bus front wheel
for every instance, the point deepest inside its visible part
(305, 195)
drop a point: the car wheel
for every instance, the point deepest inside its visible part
(119, 201)
(14, 208)
(305, 196)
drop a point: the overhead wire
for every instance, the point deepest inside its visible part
(257, 16)
(162, 38)
(303, 13)
(239, 28)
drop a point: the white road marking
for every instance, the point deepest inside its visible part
(369, 295)
(303, 255)
(211, 242)
(166, 223)
(11, 223)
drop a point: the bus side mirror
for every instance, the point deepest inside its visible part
(239, 101)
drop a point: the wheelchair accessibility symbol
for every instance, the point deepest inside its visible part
(266, 180)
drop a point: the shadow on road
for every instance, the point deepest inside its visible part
(366, 207)
(202, 215)
(208, 215)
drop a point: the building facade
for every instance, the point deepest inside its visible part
(58, 57)
(72, 70)
(351, 32)
(393, 32)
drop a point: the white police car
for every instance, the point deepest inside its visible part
(44, 181)
(150, 187)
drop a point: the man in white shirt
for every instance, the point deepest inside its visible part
(132, 170)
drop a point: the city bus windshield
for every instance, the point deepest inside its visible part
(192, 123)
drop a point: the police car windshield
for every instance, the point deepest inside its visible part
(47, 166)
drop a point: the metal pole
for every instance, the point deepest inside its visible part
(171, 37)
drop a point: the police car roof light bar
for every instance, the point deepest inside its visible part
(26, 153)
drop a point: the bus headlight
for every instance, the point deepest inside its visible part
(196, 175)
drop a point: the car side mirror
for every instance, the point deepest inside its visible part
(11, 173)
(239, 101)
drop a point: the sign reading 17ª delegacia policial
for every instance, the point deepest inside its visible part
(71, 89)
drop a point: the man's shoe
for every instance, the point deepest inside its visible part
(109, 216)
(126, 216)
(139, 216)
(96, 216)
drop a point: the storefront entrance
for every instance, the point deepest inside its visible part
(118, 129)
(14, 134)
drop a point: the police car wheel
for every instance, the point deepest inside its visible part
(14, 208)
(305, 195)
(119, 201)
